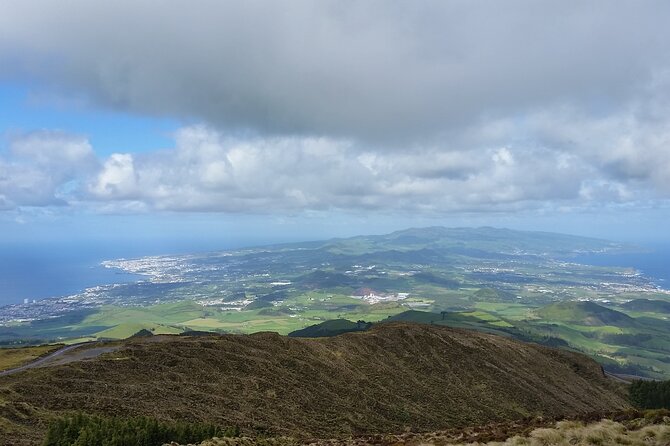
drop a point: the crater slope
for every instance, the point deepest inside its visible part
(389, 378)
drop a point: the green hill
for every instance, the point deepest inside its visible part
(584, 313)
(385, 379)
(648, 305)
(329, 328)
(451, 319)
(142, 333)
(479, 321)
(423, 317)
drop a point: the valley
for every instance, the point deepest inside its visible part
(496, 280)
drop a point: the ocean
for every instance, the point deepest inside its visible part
(654, 264)
(55, 269)
(38, 271)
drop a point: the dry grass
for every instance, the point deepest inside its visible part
(386, 380)
(638, 432)
(14, 357)
(246, 441)
(603, 433)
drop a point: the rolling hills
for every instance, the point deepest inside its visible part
(648, 305)
(392, 376)
(585, 313)
(329, 328)
(521, 284)
(432, 268)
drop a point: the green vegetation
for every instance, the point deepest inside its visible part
(86, 430)
(585, 313)
(107, 322)
(330, 328)
(650, 394)
(515, 284)
(12, 357)
(143, 333)
(623, 344)
(648, 306)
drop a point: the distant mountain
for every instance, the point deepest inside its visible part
(584, 313)
(474, 242)
(648, 305)
(382, 380)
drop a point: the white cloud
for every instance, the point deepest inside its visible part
(42, 168)
(117, 179)
(208, 172)
(631, 147)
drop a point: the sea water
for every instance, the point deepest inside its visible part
(37, 271)
(653, 262)
(55, 269)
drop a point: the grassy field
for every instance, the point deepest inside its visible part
(127, 329)
(15, 357)
(639, 346)
(114, 322)
(624, 341)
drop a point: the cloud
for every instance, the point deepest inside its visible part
(387, 73)
(117, 179)
(42, 169)
(208, 172)
(433, 107)
(631, 147)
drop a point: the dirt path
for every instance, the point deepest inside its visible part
(63, 356)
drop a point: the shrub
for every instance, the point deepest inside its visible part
(87, 430)
(650, 394)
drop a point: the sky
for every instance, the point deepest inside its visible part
(268, 121)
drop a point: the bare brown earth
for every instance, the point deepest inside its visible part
(392, 378)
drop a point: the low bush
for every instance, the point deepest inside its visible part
(87, 430)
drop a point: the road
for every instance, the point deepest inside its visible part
(40, 361)
(627, 379)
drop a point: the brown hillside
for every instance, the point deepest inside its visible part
(389, 378)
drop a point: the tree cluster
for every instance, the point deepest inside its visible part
(650, 394)
(87, 430)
